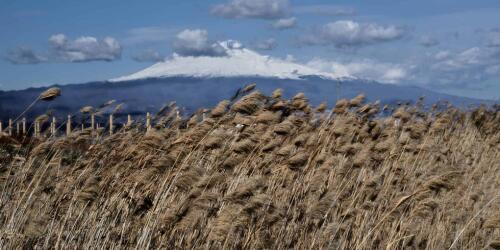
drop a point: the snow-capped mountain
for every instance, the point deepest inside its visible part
(238, 62)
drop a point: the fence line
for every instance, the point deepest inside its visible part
(21, 126)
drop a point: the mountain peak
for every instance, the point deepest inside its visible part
(239, 61)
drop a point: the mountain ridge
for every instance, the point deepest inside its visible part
(191, 93)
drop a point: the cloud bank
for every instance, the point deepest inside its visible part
(24, 55)
(428, 41)
(195, 42)
(259, 9)
(285, 23)
(268, 44)
(148, 55)
(325, 9)
(85, 49)
(345, 33)
(365, 68)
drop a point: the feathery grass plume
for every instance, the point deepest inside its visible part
(279, 105)
(286, 150)
(244, 146)
(340, 128)
(440, 124)
(271, 145)
(188, 179)
(42, 119)
(243, 119)
(362, 158)
(277, 93)
(108, 103)
(417, 130)
(444, 181)
(321, 107)
(87, 110)
(297, 120)
(195, 119)
(224, 223)
(301, 139)
(319, 209)
(5, 139)
(368, 109)
(250, 103)
(233, 160)
(268, 117)
(357, 101)
(383, 145)
(220, 109)
(312, 140)
(298, 160)
(249, 87)
(284, 128)
(215, 140)
(118, 108)
(209, 181)
(163, 109)
(50, 94)
(341, 106)
(246, 189)
(495, 244)
(90, 189)
(402, 114)
(300, 102)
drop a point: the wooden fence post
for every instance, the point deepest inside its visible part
(53, 126)
(1, 127)
(92, 121)
(129, 120)
(37, 128)
(68, 126)
(24, 126)
(111, 124)
(148, 121)
(10, 127)
(18, 128)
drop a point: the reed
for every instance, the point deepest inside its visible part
(259, 172)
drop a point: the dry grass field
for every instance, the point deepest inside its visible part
(261, 172)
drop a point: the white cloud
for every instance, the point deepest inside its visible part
(325, 9)
(285, 23)
(367, 69)
(466, 68)
(24, 55)
(494, 38)
(148, 55)
(428, 41)
(85, 48)
(196, 43)
(147, 35)
(441, 55)
(352, 34)
(261, 9)
(268, 44)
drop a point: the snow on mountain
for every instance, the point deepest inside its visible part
(239, 61)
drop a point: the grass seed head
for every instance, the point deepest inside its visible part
(50, 94)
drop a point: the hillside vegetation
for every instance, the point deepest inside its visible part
(261, 172)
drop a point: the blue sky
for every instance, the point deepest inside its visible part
(449, 46)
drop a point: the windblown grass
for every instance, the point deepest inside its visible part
(261, 173)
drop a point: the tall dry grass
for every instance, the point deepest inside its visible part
(261, 172)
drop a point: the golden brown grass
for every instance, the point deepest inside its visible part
(261, 173)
